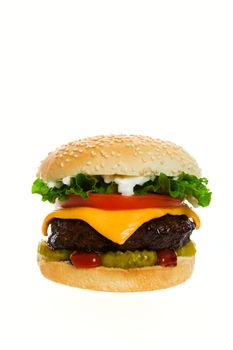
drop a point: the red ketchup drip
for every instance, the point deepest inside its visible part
(167, 257)
(85, 260)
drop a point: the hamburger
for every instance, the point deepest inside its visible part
(123, 213)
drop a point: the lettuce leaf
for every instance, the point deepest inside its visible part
(80, 184)
(184, 186)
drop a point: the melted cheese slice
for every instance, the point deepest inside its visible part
(117, 225)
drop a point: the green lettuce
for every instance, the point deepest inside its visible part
(184, 186)
(80, 184)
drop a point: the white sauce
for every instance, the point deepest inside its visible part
(126, 183)
(66, 180)
(51, 184)
(56, 184)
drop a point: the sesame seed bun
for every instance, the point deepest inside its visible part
(116, 279)
(127, 155)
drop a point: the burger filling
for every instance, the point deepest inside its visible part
(184, 186)
(168, 231)
(156, 242)
(117, 221)
(127, 259)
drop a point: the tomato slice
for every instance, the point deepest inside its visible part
(85, 260)
(119, 202)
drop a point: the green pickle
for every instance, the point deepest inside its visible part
(128, 259)
(188, 249)
(53, 255)
(124, 260)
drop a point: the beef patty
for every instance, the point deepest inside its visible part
(165, 232)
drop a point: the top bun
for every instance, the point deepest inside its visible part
(128, 155)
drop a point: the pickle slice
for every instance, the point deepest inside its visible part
(128, 259)
(188, 249)
(53, 255)
(123, 260)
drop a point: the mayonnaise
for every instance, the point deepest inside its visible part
(126, 183)
(66, 180)
(51, 184)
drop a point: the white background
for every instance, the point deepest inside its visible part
(70, 69)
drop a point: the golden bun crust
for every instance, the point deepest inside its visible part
(128, 155)
(116, 279)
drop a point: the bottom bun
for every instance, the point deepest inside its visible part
(116, 279)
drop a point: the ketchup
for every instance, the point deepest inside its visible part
(85, 260)
(167, 257)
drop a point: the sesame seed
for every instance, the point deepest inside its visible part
(105, 155)
(140, 146)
